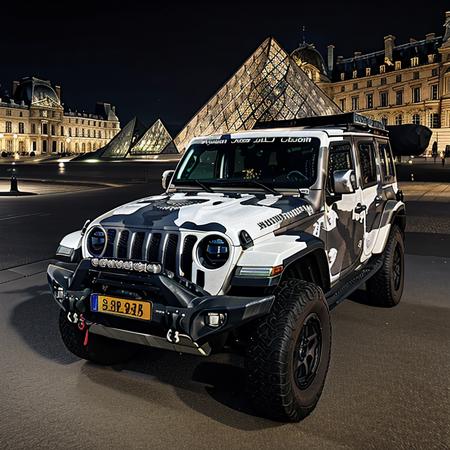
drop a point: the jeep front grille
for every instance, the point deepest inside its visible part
(166, 248)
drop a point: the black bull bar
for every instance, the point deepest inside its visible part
(180, 309)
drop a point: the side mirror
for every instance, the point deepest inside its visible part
(167, 178)
(344, 181)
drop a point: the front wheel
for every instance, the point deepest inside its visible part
(289, 353)
(99, 349)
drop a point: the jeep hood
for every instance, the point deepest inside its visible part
(226, 213)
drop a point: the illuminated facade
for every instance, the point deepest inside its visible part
(269, 85)
(33, 121)
(406, 83)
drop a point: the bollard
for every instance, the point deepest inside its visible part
(14, 187)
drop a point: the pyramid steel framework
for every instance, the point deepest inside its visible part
(155, 140)
(268, 86)
(122, 142)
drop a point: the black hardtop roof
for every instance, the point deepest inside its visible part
(349, 121)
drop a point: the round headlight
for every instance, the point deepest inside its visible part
(213, 252)
(96, 241)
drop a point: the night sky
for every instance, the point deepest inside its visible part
(165, 59)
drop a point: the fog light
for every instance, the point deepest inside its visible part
(215, 320)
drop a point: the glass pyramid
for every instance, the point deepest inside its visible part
(268, 86)
(154, 141)
(122, 142)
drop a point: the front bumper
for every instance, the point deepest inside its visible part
(180, 308)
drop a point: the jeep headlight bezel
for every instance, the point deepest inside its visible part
(96, 241)
(213, 251)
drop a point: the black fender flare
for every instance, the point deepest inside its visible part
(315, 248)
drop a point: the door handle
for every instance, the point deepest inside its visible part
(378, 200)
(360, 208)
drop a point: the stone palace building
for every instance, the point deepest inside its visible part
(32, 119)
(399, 84)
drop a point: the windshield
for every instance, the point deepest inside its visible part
(277, 162)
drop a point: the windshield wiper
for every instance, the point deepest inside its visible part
(251, 182)
(202, 185)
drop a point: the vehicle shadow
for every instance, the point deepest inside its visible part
(214, 387)
(36, 321)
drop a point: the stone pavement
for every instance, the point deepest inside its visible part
(425, 191)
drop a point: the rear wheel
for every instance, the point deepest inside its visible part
(289, 353)
(99, 349)
(385, 288)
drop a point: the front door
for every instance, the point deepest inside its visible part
(344, 218)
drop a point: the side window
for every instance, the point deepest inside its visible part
(387, 163)
(368, 163)
(340, 158)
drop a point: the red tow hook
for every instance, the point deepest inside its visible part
(81, 326)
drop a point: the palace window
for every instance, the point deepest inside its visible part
(369, 83)
(369, 101)
(88, 133)
(382, 68)
(20, 114)
(355, 74)
(368, 71)
(8, 127)
(434, 92)
(383, 81)
(21, 128)
(33, 128)
(100, 132)
(416, 75)
(53, 130)
(434, 121)
(399, 97)
(415, 61)
(8, 112)
(384, 99)
(431, 59)
(434, 72)
(82, 132)
(399, 119)
(76, 132)
(70, 132)
(416, 119)
(355, 86)
(384, 120)
(355, 103)
(416, 94)
(342, 79)
(83, 147)
(398, 65)
(343, 88)
(398, 78)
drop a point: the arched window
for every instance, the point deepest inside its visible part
(399, 119)
(77, 147)
(416, 119)
(83, 147)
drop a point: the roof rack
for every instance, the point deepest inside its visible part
(351, 121)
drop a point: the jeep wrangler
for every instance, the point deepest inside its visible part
(257, 235)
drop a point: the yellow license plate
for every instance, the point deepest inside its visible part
(134, 309)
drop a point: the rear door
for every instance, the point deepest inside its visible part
(372, 202)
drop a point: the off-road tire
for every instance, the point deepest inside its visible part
(385, 288)
(273, 353)
(100, 349)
